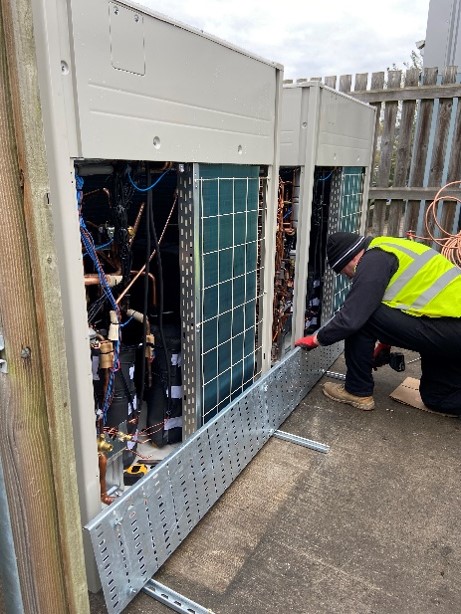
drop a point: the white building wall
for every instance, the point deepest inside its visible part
(443, 42)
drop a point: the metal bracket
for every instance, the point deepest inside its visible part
(335, 375)
(3, 363)
(302, 441)
(173, 600)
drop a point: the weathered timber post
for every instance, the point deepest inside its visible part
(36, 448)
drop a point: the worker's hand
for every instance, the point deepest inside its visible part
(308, 343)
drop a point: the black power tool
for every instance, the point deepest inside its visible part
(382, 355)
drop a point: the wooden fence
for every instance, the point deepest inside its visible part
(417, 147)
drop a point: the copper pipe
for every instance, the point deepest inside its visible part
(105, 190)
(92, 279)
(152, 278)
(141, 270)
(105, 498)
(139, 317)
(137, 222)
(166, 166)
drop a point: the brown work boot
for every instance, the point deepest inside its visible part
(337, 392)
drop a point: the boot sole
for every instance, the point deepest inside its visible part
(353, 403)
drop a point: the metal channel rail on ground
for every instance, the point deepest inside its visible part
(136, 534)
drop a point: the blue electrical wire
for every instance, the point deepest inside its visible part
(127, 322)
(325, 178)
(90, 249)
(98, 247)
(151, 186)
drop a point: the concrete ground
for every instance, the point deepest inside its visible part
(371, 527)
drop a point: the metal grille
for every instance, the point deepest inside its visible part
(230, 270)
(136, 534)
(346, 211)
(221, 215)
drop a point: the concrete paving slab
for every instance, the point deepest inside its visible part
(371, 527)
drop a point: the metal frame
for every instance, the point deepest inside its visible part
(302, 441)
(137, 533)
(9, 575)
(173, 600)
(188, 244)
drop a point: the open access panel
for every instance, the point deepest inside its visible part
(325, 167)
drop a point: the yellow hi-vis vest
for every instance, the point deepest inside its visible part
(425, 284)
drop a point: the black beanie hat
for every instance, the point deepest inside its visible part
(342, 247)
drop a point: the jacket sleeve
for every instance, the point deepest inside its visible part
(374, 271)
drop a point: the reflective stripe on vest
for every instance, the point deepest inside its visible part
(419, 260)
(427, 296)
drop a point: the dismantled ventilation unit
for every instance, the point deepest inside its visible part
(325, 165)
(163, 147)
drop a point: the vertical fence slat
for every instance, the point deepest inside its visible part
(361, 81)
(403, 157)
(420, 149)
(377, 83)
(345, 83)
(440, 146)
(330, 82)
(454, 173)
(441, 131)
(387, 146)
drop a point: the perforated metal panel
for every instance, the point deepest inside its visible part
(136, 534)
(188, 235)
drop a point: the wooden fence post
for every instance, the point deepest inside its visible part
(35, 425)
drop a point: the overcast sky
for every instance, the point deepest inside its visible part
(310, 38)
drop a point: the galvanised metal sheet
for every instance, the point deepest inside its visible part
(149, 88)
(137, 533)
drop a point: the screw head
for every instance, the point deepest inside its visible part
(26, 352)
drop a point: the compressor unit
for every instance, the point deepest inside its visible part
(325, 168)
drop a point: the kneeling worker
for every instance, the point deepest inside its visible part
(403, 294)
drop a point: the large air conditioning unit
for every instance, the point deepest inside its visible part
(325, 169)
(162, 145)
